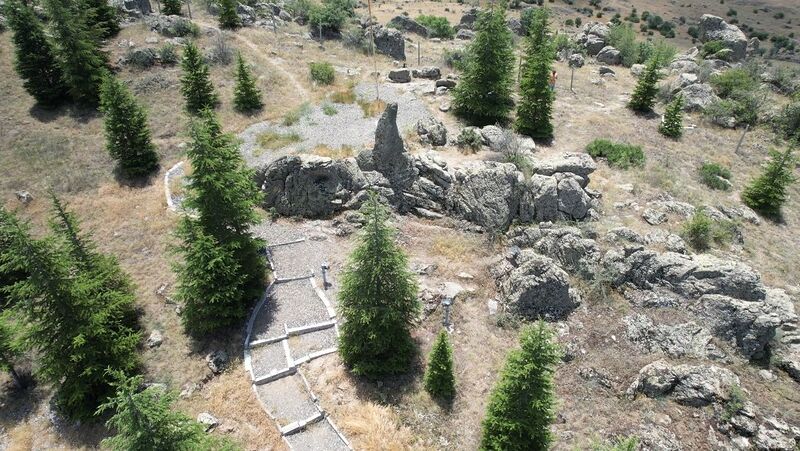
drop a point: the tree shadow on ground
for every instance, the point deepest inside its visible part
(81, 114)
(136, 182)
(390, 389)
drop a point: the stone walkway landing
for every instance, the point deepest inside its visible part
(292, 324)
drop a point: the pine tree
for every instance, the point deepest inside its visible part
(439, 379)
(9, 350)
(221, 270)
(228, 18)
(246, 95)
(76, 330)
(35, 60)
(172, 8)
(483, 95)
(82, 62)
(767, 193)
(535, 110)
(522, 404)
(378, 300)
(127, 133)
(102, 16)
(673, 119)
(145, 420)
(644, 95)
(196, 84)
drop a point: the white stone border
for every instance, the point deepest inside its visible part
(167, 190)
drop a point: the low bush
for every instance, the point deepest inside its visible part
(700, 231)
(469, 139)
(322, 73)
(742, 106)
(715, 176)
(330, 16)
(294, 116)
(454, 59)
(619, 155)
(299, 8)
(168, 54)
(355, 38)
(732, 80)
(438, 26)
(221, 52)
(787, 122)
(711, 47)
(329, 110)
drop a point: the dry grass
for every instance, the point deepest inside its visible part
(372, 108)
(270, 140)
(337, 154)
(376, 428)
(344, 94)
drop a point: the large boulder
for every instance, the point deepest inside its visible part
(429, 72)
(751, 326)
(534, 286)
(580, 164)
(389, 155)
(309, 185)
(714, 28)
(573, 202)
(593, 37)
(564, 244)
(465, 34)
(406, 23)
(431, 131)
(402, 75)
(609, 55)
(486, 194)
(539, 199)
(468, 19)
(690, 385)
(698, 97)
(681, 340)
(390, 42)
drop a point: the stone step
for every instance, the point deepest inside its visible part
(297, 426)
(275, 375)
(318, 436)
(300, 330)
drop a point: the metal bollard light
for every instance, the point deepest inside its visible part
(325, 268)
(446, 303)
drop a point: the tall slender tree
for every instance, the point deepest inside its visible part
(246, 95)
(483, 95)
(228, 18)
(439, 379)
(221, 270)
(35, 60)
(82, 62)
(672, 126)
(535, 111)
(102, 16)
(378, 300)
(522, 404)
(145, 420)
(766, 194)
(644, 95)
(76, 333)
(196, 84)
(172, 7)
(127, 133)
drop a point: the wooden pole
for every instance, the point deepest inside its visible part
(571, 78)
(741, 139)
(372, 49)
(419, 58)
(189, 6)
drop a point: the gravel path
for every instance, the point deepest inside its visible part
(291, 304)
(348, 127)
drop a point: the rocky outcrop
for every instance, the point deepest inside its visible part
(468, 19)
(431, 131)
(400, 75)
(690, 385)
(714, 28)
(593, 37)
(429, 72)
(486, 194)
(609, 55)
(564, 244)
(534, 286)
(406, 23)
(681, 340)
(390, 42)
(698, 97)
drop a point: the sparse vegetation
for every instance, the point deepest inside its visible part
(715, 176)
(322, 73)
(438, 26)
(273, 140)
(335, 153)
(619, 155)
(469, 139)
(294, 116)
(372, 108)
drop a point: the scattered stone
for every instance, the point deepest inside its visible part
(609, 55)
(444, 107)
(605, 70)
(24, 197)
(654, 217)
(698, 97)
(424, 269)
(445, 83)
(637, 70)
(406, 23)
(431, 73)
(465, 34)
(432, 131)
(767, 375)
(492, 306)
(465, 276)
(593, 37)
(576, 60)
(469, 18)
(155, 339)
(593, 375)
(217, 361)
(208, 420)
(400, 75)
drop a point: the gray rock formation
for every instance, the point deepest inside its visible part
(389, 154)
(713, 28)
(609, 55)
(429, 72)
(534, 286)
(564, 244)
(171, 26)
(486, 194)
(465, 34)
(431, 131)
(593, 37)
(698, 97)
(390, 42)
(690, 385)
(406, 23)
(468, 19)
(681, 340)
(400, 75)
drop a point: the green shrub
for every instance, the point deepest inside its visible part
(618, 155)
(732, 80)
(620, 444)
(569, 22)
(623, 38)
(322, 73)
(168, 54)
(294, 116)
(767, 193)
(330, 16)
(701, 231)
(711, 47)
(299, 8)
(715, 176)
(743, 106)
(329, 110)
(439, 379)
(469, 138)
(355, 38)
(454, 59)
(735, 403)
(438, 26)
(787, 122)
(672, 126)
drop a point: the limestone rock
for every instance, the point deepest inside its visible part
(390, 42)
(690, 385)
(682, 340)
(714, 28)
(486, 194)
(406, 23)
(155, 339)
(432, 131)
(698, 97)
(580, 164)
(609, 55)
(208, 420)
(429, 72)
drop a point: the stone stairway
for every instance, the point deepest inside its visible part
(292, 324)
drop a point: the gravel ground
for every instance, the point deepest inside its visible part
(287, 399)
(349, 126)
(303, 345)
(300, 305)
(268, 323)
(316, 437)
(266, 359)
(294, 260)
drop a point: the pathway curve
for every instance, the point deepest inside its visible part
(292, 324)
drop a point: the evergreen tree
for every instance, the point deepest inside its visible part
(767, 193)
(35, 60)
(102, 16)
(196, 84)
(127, 133)
(246, 95)
(644, 95)
(522, 404)
(535, 110)
(172, 8)
(439, 379)
(222, 270)
(378, 300)
(75, 331)
(9, 351)
(145, 420)
(228, 18)
(82, 62)
(483, 94)
(673, 119)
